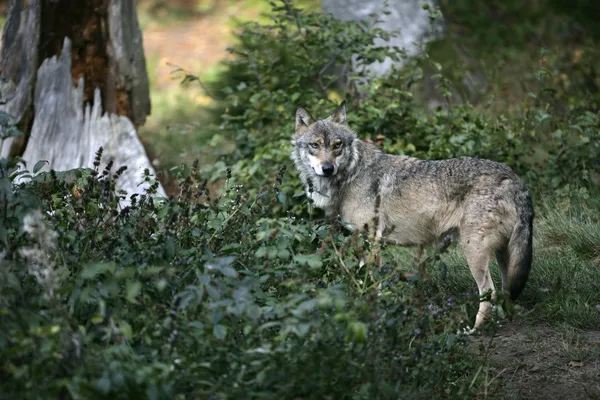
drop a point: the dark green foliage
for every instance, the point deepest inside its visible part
(224, 299)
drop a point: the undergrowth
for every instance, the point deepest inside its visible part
(211, 295)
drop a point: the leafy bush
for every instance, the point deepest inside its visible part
(227, 298)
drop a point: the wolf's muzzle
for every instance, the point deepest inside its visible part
(328, 169)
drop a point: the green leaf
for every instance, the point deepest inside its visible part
(261, 252)
(283, 254)
(170, 247)
(230, 246)
(96, 319)
(312, 260)
(133, 289)
(500, 311)
(222, 265)
(299, 193)
(190, 295)
(254, 311)
(357, 331)
(302, 329)
(161, 284)
(39, 165)
(90, 271)
(103, 384)
(220, 331)
(229, 271)
(213, 293)
(126, 329)
(282, 198)
(305, 307)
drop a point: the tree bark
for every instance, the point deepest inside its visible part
(18, 62)
(127, 68)
(406, 15)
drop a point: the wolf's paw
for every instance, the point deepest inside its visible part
(468, 331)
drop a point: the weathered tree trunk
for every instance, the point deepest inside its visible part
(416, 29)
(92, 55)
(127, 91)
(408, 16)
(18, 62)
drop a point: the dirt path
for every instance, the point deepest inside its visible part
(196, 44)
(542, 362)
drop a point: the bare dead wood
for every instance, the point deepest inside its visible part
(128, 79)
(406, 15)
(18, 60)
(67, 136)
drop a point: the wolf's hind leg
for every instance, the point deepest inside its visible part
(502, 256)
(478, 255)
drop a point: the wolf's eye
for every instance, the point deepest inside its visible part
(314, 145)
(337, 145)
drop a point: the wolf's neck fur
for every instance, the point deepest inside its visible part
(329, 193)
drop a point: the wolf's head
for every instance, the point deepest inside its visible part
(323, 147)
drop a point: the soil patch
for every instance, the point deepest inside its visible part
(542, 362)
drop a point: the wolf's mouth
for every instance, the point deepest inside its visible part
(323, 169)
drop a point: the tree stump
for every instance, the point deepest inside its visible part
(91, 89)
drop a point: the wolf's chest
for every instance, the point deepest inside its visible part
(355, 209)
(320, 199)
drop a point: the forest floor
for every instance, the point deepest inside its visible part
(542, 361)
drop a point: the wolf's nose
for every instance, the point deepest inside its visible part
(327, 169)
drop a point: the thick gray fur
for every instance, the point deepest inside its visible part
(410, 201)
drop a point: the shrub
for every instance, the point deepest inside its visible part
(213, 299)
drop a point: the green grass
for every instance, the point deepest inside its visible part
(564, 284)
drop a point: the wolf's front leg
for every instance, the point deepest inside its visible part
(378, 262)
(376, 256)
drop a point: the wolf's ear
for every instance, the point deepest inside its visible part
(303, 119)
(339, 115)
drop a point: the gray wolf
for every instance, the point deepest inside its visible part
(409, 201)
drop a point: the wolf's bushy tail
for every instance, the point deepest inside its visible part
(520, 251)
